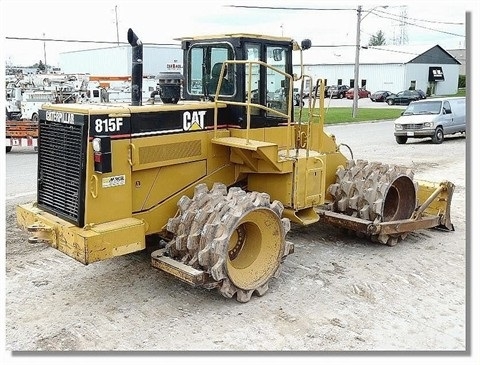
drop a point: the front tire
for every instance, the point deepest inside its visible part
(390, 102)
(438, 137)
(376, 192)
(401, 139)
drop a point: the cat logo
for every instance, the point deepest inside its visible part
(194, 121)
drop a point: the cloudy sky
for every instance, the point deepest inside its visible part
(424, 22)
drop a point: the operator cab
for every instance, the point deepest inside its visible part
(203, 61)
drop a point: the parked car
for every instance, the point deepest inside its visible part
(297, 98)
(362, 93)
(314, 91)
(422, 93)
(337, 91)
(380, 95)
(404, 97)
(434, 118)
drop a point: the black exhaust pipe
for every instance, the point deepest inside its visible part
(137, 67)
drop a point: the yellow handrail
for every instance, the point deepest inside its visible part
(248, 104)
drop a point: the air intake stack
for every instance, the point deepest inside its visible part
(137, 67)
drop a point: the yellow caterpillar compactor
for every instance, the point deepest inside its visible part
(215, 177)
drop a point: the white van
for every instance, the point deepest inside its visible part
(434, 118)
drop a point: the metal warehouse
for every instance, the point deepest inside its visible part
(392, 68)
(117, 61)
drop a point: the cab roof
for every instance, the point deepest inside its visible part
(236, 35)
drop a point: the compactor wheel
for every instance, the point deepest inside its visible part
(376, 192)
(238, 238)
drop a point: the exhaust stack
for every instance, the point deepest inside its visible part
(137, 67)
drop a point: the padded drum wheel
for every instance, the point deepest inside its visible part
(236, 237)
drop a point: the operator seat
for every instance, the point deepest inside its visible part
(226, 88)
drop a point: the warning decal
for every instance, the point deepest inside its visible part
(108, 182)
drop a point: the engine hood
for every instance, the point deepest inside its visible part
(416, 118)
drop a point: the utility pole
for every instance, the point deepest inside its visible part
(357, 66)
(357, 56)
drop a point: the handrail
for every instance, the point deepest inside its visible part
(248, 104)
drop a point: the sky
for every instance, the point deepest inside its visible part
(425, 22)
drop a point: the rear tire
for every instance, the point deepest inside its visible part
(8, 149)
(390, 102)
(401, 139)
(438, 137)
(238, 238)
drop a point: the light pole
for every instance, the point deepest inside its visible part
(44, 53)
(357, 56)
(116, 25)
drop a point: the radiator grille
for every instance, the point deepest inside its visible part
(413, 126)
(61, 164)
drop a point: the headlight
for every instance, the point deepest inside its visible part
(97, 146)
(398, 127)
(428, 124)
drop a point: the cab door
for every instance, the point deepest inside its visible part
(268, 87)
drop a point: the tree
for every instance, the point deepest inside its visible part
(377, 39)
(41, 66)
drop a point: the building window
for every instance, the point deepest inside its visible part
(413, 85)
(339, 82)
(364, 83)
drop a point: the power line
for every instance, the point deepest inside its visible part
(420, 20)
(286, 8)
(331, 45)
(85, 41)
(154, 44)
(416, 25)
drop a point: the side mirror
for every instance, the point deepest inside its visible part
(306, 44)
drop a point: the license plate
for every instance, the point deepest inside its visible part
(410, 134)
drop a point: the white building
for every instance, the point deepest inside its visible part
(117, 61)
(392, 68)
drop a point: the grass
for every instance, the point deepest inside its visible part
(344, 115)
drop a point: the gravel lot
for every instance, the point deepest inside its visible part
(336, 292)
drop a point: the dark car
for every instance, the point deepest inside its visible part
(404, 97)
(380, 95)
(314, 91)
(422, 94)
(337, 91)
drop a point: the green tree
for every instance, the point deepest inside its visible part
(377, 39)
(41, 66)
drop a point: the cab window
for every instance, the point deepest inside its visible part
(277, 83)
(205, 70)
